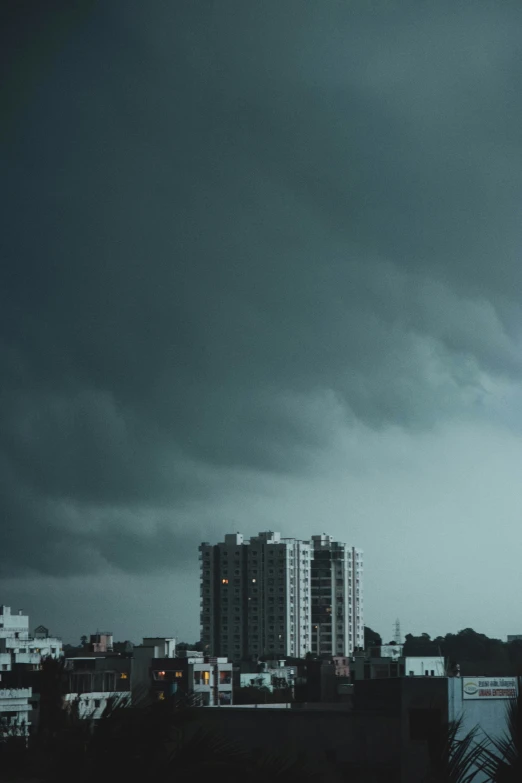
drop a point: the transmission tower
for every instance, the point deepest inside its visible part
(397, 635)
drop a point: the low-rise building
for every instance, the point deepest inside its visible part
(388, 661)
(205, 681)
(21, 656)
(342, 665)
(101, 641)
(15, 708)
(93, 681)
(388, 733)
(92, 705)
(18, 646)
(272, 675)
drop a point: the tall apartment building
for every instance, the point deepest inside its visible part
(337, 597)
(256, 596)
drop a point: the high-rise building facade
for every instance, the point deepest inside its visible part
(256, 596)
(337, 597)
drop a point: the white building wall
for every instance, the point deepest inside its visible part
(45, 647)
(12, 624)
(14, 710)
(165, 646)
(337, 628)
(5, 663)
(490, 715)
(92, 705)
(16, 639)
(358, 597)
(422, 666)
(256, 680)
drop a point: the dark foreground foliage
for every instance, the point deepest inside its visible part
(502, 759)
(164, 741)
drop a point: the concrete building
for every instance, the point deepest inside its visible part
(15, 708)
(101, 641)
(18, 646)
(391, 732)
(272, 675)
(21, 657)
(204, 681)
(341, 665)
(92, 681)
(92, 705)
(388, 661)
(256, 596)
(337, 597)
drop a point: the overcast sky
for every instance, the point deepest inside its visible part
(260, 269)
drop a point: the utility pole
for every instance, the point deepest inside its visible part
(397, 634)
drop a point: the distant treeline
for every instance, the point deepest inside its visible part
(475, 652)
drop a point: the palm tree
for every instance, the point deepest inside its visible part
(456, 759)
(502, 762)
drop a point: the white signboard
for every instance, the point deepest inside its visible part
(489, 687)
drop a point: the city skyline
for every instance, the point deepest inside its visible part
(260, 270)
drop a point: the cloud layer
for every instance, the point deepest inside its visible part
(234, 231)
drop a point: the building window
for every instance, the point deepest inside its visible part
(97, 703)
(178, 675)
(205, 676)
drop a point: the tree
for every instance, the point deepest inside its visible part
(371, 638)
(455, 759)
(502, 760)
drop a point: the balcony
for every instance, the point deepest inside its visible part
(32, 658)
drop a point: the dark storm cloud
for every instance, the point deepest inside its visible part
(225, 219)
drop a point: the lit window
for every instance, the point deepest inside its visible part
(205, 676)
(178, 674)
(224, 581)
(124, 676)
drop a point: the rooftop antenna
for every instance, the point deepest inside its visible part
(397, 634)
